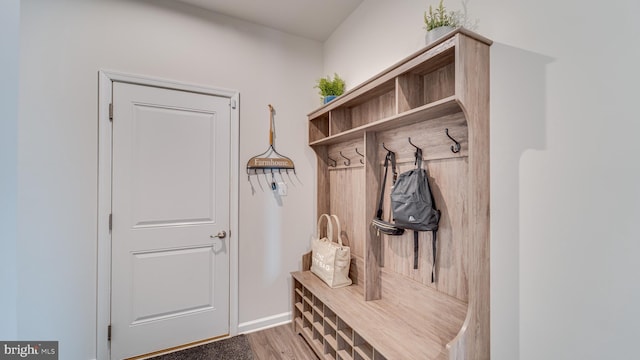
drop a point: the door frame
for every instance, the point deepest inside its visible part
(103, 293)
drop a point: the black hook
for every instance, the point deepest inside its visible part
(335, 163)
(361, 160)
(418, 153)
(391, 156)
(346, 163)
(414, 145)
(454, 148)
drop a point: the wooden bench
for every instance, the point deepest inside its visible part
(411, 321)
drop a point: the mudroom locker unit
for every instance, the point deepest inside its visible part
(437, 99)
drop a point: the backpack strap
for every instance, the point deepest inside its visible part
(418, 164)
(391, 157)
(415, 250)
(434, 248)
(418, 156)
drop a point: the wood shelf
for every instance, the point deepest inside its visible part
(394, 311)
(437, 109)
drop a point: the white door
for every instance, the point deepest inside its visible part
(170, 204)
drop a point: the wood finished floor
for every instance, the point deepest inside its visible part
(280, 343)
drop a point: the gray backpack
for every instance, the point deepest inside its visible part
(414, 208)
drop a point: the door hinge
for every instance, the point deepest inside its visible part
(110, 222)
(111, 111)
(233, 104)
(109, 332)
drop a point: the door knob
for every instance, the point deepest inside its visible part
(221, 235)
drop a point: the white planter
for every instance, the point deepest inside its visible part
(435, 34)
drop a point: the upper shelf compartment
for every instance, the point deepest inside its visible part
(434, 110)
(418, 88)
(430, 81)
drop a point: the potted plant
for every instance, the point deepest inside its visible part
(439, 21)
(330, 88)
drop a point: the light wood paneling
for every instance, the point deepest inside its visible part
(472, 86)
(448, 181)
(340, 121)
(319, 128)
(306, 261)
(346, 193)
(356, 271)
(428, 135)
(373, 242)
(322, 175)
(410, 92)
(374, 109)
(348, 150)
(439, 84)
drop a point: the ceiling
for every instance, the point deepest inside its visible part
(307, 18)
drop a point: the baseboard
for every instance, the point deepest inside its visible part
(264, 323)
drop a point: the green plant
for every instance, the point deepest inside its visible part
(440, 17)
(330, 86)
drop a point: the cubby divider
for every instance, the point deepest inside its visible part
(330, 352)
(378, 356)
(362, 347)
(345, 332)
(345, 354)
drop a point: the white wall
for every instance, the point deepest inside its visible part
(564, 168)
(9, 65)
(63, 45)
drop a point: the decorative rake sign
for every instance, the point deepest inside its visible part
(270, 161)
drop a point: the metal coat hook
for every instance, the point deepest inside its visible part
(414, 145)
(418, 153)
(386, 148)
(346, 163)
(335, 163)
(454, 148)
(361, 160)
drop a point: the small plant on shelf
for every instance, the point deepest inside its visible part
(330, 88)
(439, 17)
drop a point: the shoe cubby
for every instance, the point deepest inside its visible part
(328, 334)
(345, 341)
